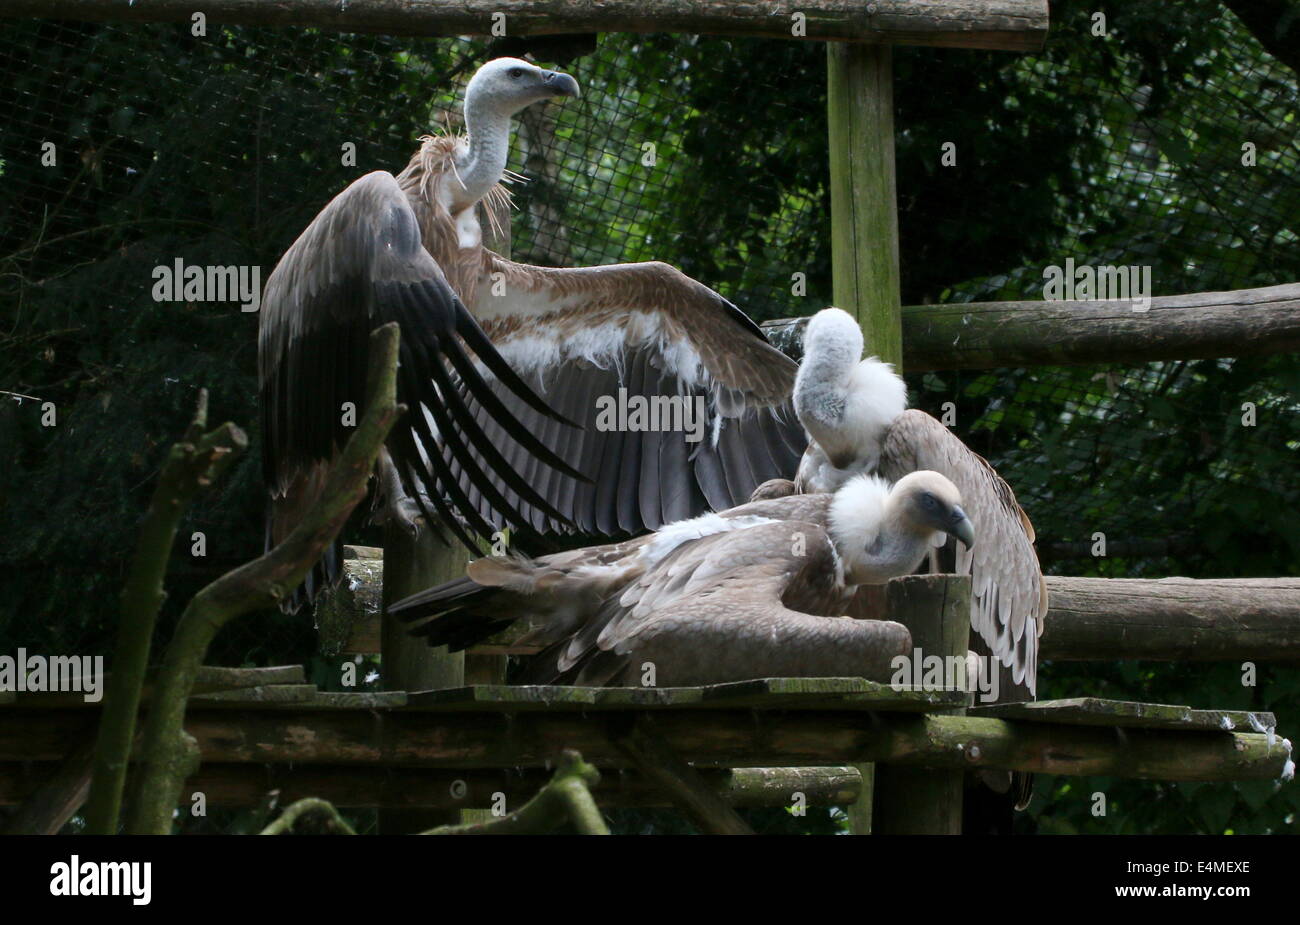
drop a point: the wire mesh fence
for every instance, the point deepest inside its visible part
(125, 147)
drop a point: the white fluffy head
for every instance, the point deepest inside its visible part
(856, 516)
(844, 402)
(507, 85)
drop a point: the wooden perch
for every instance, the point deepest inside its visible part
(1011, 25)
(363, 787)
(167, 758)
(726, 738)
(192, 465)
(566, 798)
(1172, 619)
(989, 335)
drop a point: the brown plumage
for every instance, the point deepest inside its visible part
(479, 450)
(756, 591)
(853, 410)
(578, 335)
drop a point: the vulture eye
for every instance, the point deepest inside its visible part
(516, 73)
(929, 500)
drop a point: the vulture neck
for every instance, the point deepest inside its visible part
(484, 163)
(821, 402)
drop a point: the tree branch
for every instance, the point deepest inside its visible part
(565, 798)
(325, 819)
(258, 584)
(192, 465)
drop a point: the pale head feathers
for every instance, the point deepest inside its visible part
(504, 86)
(883, 531)
(845, 402)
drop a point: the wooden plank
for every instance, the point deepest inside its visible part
(358, 700)
(1095, 711)
(270, 696)
(990, 335)
(829, 693)
(210, 679)
(758, 694)
(648, 697)
(1172, 619)
(706, 738)
(214, 677)
(360, 787)
(1012, 25)
(504, 698)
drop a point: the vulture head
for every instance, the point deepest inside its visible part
(507, 85)
(844, 402)
(883, 531)
(497, 91)
(930, 503)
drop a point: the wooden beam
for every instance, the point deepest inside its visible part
(412, 564)
(864, 235)
(1000, 25)
(704, 737)
(1169, 619)
(360, 787)
(989, 335)
(920, 801)
(864, 209)
(1172, 619)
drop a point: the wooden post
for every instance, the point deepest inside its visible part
(920, 801)
(864, 230)
(407, 663)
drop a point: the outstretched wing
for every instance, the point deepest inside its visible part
(1008, 594)
(683, 403)
(751, 603)
(360, 264)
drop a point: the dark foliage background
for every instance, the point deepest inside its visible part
(1117, 149)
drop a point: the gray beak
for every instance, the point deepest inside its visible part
(961, 528)
(561, 84)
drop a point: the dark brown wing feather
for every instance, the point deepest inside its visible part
(358, 265)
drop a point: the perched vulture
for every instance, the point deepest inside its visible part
(755, 591)
(628, 334)
(503, 364)
(855, 413)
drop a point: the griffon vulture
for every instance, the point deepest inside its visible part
(643, 334)
(752, 592)
(855, 413)
(479, 447)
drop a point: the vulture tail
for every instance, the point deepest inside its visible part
(464, 612)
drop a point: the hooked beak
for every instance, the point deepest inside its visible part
(561, 84)
(961, 528)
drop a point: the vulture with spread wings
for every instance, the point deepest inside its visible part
(503, 364)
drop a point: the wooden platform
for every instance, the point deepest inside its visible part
(485, 736)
